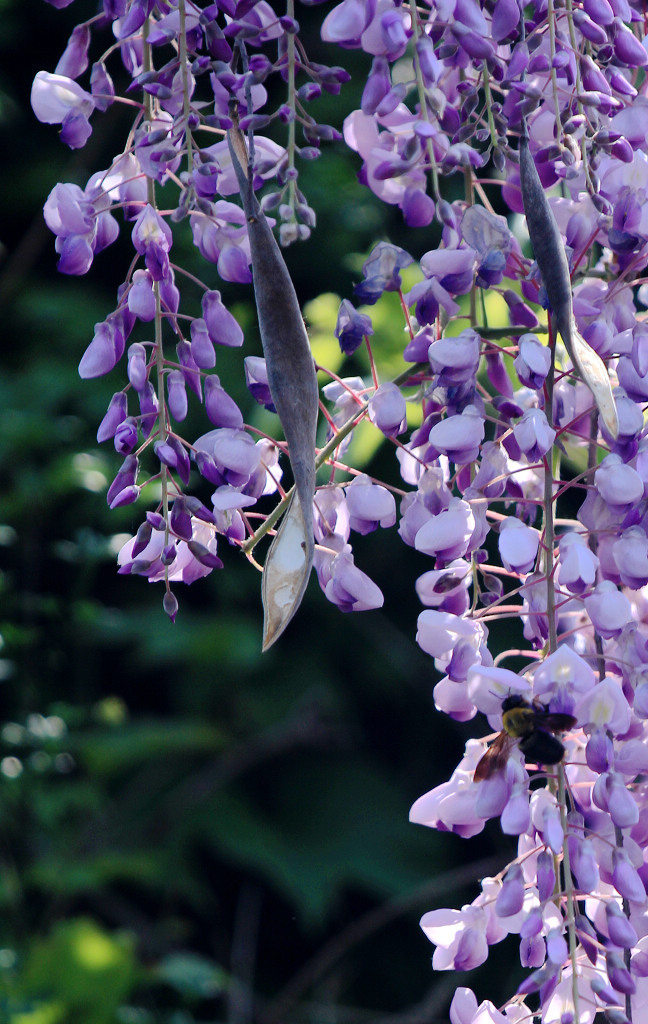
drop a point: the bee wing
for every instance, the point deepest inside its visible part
(593, 372)
(495, 757)
(555, 721)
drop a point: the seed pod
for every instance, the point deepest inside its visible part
(293, 386)
(550, 256)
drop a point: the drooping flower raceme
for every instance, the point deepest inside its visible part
(523, 503)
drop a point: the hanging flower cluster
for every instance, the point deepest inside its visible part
(516, 425)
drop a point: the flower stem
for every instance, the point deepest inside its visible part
(186, 102)
(159, 352)
(569, 890)
(423, 108)
(551, 19)
(292, 103)
(324, 454)
(548, 512)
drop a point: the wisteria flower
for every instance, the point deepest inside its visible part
(57, 99)
(529, 516)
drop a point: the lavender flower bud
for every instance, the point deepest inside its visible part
(534, 435)
(604, 991)
(584, 865)
(369, 505)
(619, 485)
(618, 973)
(552, 829)
(615, 1016)
(587, 937)
(104, 351)
(125, 438)
(204, 555)
(382, 272)
(220, 407)
(116, 413)
(152, 238)
(533, 361)
(202, 348)
(177, 395)
(630, 553)
(189, 370)
(256, 379)
(620, 930)
(137, 366)
(125, 497)
(516, 815)
(180, 520)
(627, 47)
(621, 803)
(126, 477)
(510, 898)
(387, 409)
(221, 325)
(557, 950)
(148, 403)
(142, 538)
(74, 59)
(141, 298)
(609, 610)
(578, 564)
(170, 605)
(506, 19)
(546, 876)
(377, 86)
(532, 951)
(431, 66)
(599, 11)
(351, 327)
(168, 555)
(101, 87)
(599, 752)
(418, 208)
(518, 545)
(532, 924)
(626, 878)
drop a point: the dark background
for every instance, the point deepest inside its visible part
(189, 830)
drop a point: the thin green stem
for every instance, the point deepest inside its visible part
(489, 103)
(147, 61)
(627, 953)
(507, 332)
(548, 511)
(551, 19)
(569, 891)
(579, 89)
(470, 200)
(552, 471)
(292, 103)
(184, 69)
(422, 98)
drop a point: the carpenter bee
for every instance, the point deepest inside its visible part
(533, 727)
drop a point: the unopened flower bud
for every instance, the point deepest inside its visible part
(510, 898)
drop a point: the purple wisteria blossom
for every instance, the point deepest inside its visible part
(518, 503)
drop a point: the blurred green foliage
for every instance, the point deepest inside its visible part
(189, 831)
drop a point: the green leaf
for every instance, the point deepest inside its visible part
(329, 828)
(82, 968)
(113, 751)
(192, 976)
